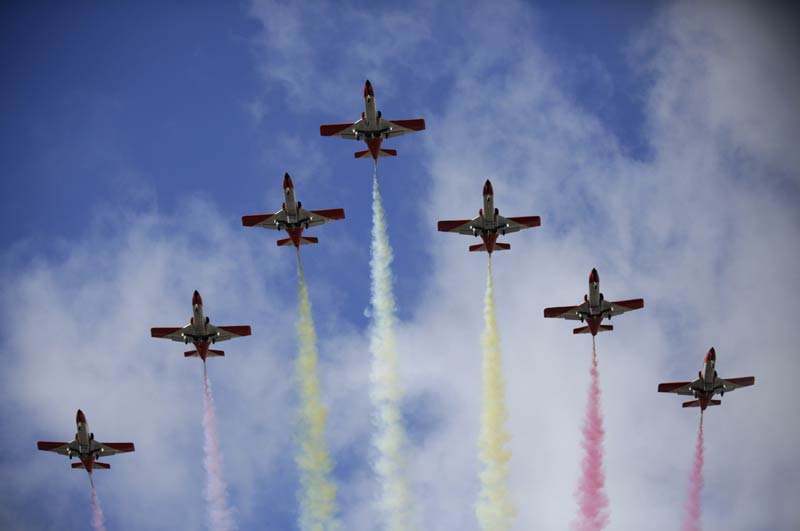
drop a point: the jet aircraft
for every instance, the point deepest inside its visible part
(707, 384)
(372, 128)
(594, 309)
(489, 224)
(293, 218)
(85, 447)
(200, 332)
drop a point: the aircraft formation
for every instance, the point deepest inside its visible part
(489, 225)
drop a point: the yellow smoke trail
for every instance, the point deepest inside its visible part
(389, 439)
(495, 508)
(318, 492)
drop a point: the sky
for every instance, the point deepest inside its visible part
(657, 143)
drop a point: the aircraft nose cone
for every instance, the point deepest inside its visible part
(593, 276)
(368, 89)
(487, 188)
(287, 181)
(80, 417)
(196, 299)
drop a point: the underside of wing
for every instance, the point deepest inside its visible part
(57, 447)
(111, 448)
(619, 307)
(734, 383)
(267, 221)
(229, 332)
(348, 130)
(572, 313)
(175, 333)
(680, 388)
(318, 217)
(519, 223)
(460, 226)
(395, 128)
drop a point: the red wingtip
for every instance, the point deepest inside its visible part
(368, 89)
(487, 188)
(197, 300)
(287, 181)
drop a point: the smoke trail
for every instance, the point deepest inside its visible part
(318, 492)
(98, 520)
(389, 439)
(219, 514)
(592, 499)
(691, 518)
(495, 509)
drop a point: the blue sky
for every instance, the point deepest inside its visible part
(657, 144)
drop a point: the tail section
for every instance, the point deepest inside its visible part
(304, 240)
(211, 353)
(381, 153)
(482, 247)
(587, 330)
(97, 465)
(696, 403)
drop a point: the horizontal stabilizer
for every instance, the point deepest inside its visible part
(214, 353)
(477, 247)
(304, 240)
(195, 354)
(587, 330)
(696, 403)
(190, 353)
(482, 247)
(97, 465)
(502, 246)
(381, 153)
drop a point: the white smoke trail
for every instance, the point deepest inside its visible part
(98, 520)
(390, 437)
(495, 508)
(318, 492)
(219, 514)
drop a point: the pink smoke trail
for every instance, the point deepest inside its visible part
(219, 514)
(691, 517)
(98, 520)
(592, 499)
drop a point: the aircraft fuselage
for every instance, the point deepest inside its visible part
(84, 438)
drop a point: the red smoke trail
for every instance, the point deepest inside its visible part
(219, 514)
(98, 520)
(691, 517)
(592, 499)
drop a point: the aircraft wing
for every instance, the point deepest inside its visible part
(734, 383)
(349, 130)
(62, 448)
(318, 217)
(175, 333)
(267, 221)
(111, 448)
(224, 333)
(391, 129)
(572, 313)
(680, 388)
(518, 223)
(461, 226)
(616, 308)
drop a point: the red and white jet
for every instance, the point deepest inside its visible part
(594, 309)
(707, 384)
(85, 448)
(200, 332)
(372, 128)
(489, 224)
(293, 218)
